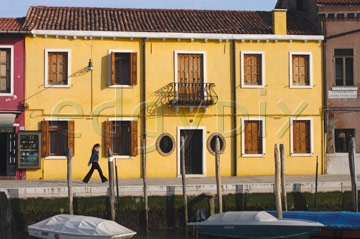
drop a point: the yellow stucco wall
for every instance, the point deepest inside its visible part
(89, 92)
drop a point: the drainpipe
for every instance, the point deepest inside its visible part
(324, 94)
(144, 94)
(234, 108)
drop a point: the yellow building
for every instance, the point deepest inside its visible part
(127, 78)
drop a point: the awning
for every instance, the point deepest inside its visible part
(7, 120)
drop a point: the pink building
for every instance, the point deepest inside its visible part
(12, 94)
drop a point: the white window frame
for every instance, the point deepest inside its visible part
(11, 70)
(311, 137)
(243, 53)
(310, 86)
(176, 53)
(243, 137)
(178, 145)
(110, 85)
(56, 119)
(47, 51)
(121, 156)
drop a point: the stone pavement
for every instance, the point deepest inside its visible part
(172, 186)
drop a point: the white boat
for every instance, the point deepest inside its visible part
(254, 225)
(75, 227)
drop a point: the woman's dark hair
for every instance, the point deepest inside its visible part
(95, 146)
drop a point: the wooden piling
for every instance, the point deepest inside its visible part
(146, 199)
(69, 181)
(352, 167)
(283, 189)
(316, 180)
(183, 174)
(117, 190)
(218, 175)
(111, 184)
(277, 182)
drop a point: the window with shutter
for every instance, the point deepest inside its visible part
(344, 67)
(123, 68)
(190, 77)
(252, 69)
(301, 136)
(253, 137)
(5, 70)
(300, 70)
(58, 68)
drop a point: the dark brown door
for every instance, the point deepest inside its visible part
(7, 154)
(193, 151)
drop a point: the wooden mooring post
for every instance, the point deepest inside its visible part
(117, 189)
(111, 184)
(283, 189)
(352, 167)
(69, 181)
(146, 199)
(218, 175)
(183, 174)
(316, 180)
(277, 182)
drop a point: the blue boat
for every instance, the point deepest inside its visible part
(337, 224)
(254, 225)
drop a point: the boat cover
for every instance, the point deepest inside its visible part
(71, 224)
(233, 217)
(335, 220)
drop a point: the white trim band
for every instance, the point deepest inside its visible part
(164, 35)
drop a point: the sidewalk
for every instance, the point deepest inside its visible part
(172, 186)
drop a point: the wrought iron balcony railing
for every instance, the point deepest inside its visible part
(192, 94)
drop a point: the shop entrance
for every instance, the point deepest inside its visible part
(7, 154)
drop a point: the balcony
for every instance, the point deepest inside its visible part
(190, 95)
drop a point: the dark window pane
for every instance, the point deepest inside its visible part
(342, 137)
(122, 68)
(344, 52)
(339, 68)
(166, 144)
(299, 5)
(58, 138)
(349, 71)
(121, 137)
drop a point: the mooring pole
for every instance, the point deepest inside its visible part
(146, 200)
(352, 166)
(277, 182)
(316, 180)
(69, 181)
(111, 184)
(218, 175)
(117, 189)
(283, 189)
(183, 174)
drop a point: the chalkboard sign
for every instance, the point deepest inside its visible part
(29, 145)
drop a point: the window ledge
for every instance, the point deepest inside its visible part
(344, 88)
(301, 155)
(121, 86)
(253, 155)
(301, 87)
(56, 157)
(123, 157)
(7, 94)
(57, 86)
(253, 86)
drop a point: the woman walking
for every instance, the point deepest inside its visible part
(94, 159)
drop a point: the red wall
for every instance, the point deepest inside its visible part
(15, 103)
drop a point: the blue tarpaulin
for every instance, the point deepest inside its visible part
(333, 220)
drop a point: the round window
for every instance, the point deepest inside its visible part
(211, 144)
(165, 144)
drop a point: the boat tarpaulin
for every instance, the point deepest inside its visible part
(335, 220)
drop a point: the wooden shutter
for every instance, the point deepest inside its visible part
(4, 70)
(134, 138)
(300, 70)
(57, 68)
(45, 139)
(133, 68)
(253, 137)
(108, 137)
(112, 68)
(252, 69)
(301, 137)
(71, 136)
